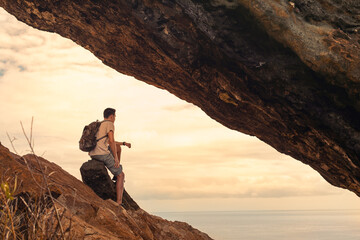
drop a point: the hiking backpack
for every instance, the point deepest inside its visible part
(88, 138)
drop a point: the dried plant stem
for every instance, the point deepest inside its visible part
(11, 142)
(9, 214)
(44, 178)
(31, 131)
(40, 218)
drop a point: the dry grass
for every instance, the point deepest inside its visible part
(23, 216)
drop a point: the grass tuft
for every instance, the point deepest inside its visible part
(25, 216)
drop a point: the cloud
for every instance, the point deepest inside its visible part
(177, 108)
(209, 188)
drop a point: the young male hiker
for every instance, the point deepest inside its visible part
(108, 151)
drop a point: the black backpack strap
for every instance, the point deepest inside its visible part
(99, 127)
(101, 138)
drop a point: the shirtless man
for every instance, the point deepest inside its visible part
(108, 151)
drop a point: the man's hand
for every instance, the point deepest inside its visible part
(128, 145)
(117, 163)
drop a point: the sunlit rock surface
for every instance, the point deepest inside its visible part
(284, 71)
(86, 214)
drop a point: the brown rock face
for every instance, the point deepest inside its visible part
(284, 71)
(86, 215)
(95, 175)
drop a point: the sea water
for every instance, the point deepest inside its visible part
(273, 225)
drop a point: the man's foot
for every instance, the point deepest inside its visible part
(112, 202)
(121, 204)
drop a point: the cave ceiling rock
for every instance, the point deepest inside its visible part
(284, 71)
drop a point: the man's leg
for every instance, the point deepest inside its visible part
(120, 178)
(120, 187)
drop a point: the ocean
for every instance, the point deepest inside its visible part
(273, 225)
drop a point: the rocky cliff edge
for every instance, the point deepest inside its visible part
(83, 214)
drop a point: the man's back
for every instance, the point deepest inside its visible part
(102, 145)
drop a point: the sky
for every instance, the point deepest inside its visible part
(180, 160)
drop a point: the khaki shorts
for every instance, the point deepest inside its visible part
(109, 162)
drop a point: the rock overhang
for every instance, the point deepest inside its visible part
(284, 71)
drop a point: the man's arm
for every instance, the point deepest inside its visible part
(112, 144)
(124, 143)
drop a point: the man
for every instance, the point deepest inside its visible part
(108, 151)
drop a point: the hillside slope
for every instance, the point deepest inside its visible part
(84, 214)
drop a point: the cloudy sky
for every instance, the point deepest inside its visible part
(181, 159)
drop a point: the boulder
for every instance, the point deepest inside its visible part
(95, 175)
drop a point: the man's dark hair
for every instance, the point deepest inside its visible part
(108, 112)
